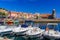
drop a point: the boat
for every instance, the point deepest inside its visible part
(51, 33)
(4, 30)
(19, 30)
(34, 32)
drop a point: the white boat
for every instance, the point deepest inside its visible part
(5, 30)
(19, 30)
(34, 32)
(51, 33)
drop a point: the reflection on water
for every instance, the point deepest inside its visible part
(22, 38)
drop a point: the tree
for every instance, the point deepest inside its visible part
(3, 14)
(0, 13)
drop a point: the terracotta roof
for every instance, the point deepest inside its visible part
(45, 15)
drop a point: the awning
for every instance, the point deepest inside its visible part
(10, 23)
(16, 22)
(28, 21)
(52, 24)
(1, 23)
(24, 25)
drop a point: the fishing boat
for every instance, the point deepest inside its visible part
(50, 32)
(5, 30)
(34, 32)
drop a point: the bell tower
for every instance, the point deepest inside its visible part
(54, 13)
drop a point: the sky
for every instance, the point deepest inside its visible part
(32, 6)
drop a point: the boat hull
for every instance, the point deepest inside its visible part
(20, 33)
(34, 36)
(52, 37)
(5, 33)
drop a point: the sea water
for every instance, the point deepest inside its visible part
(21, 38)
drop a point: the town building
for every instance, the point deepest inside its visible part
(23, 15)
